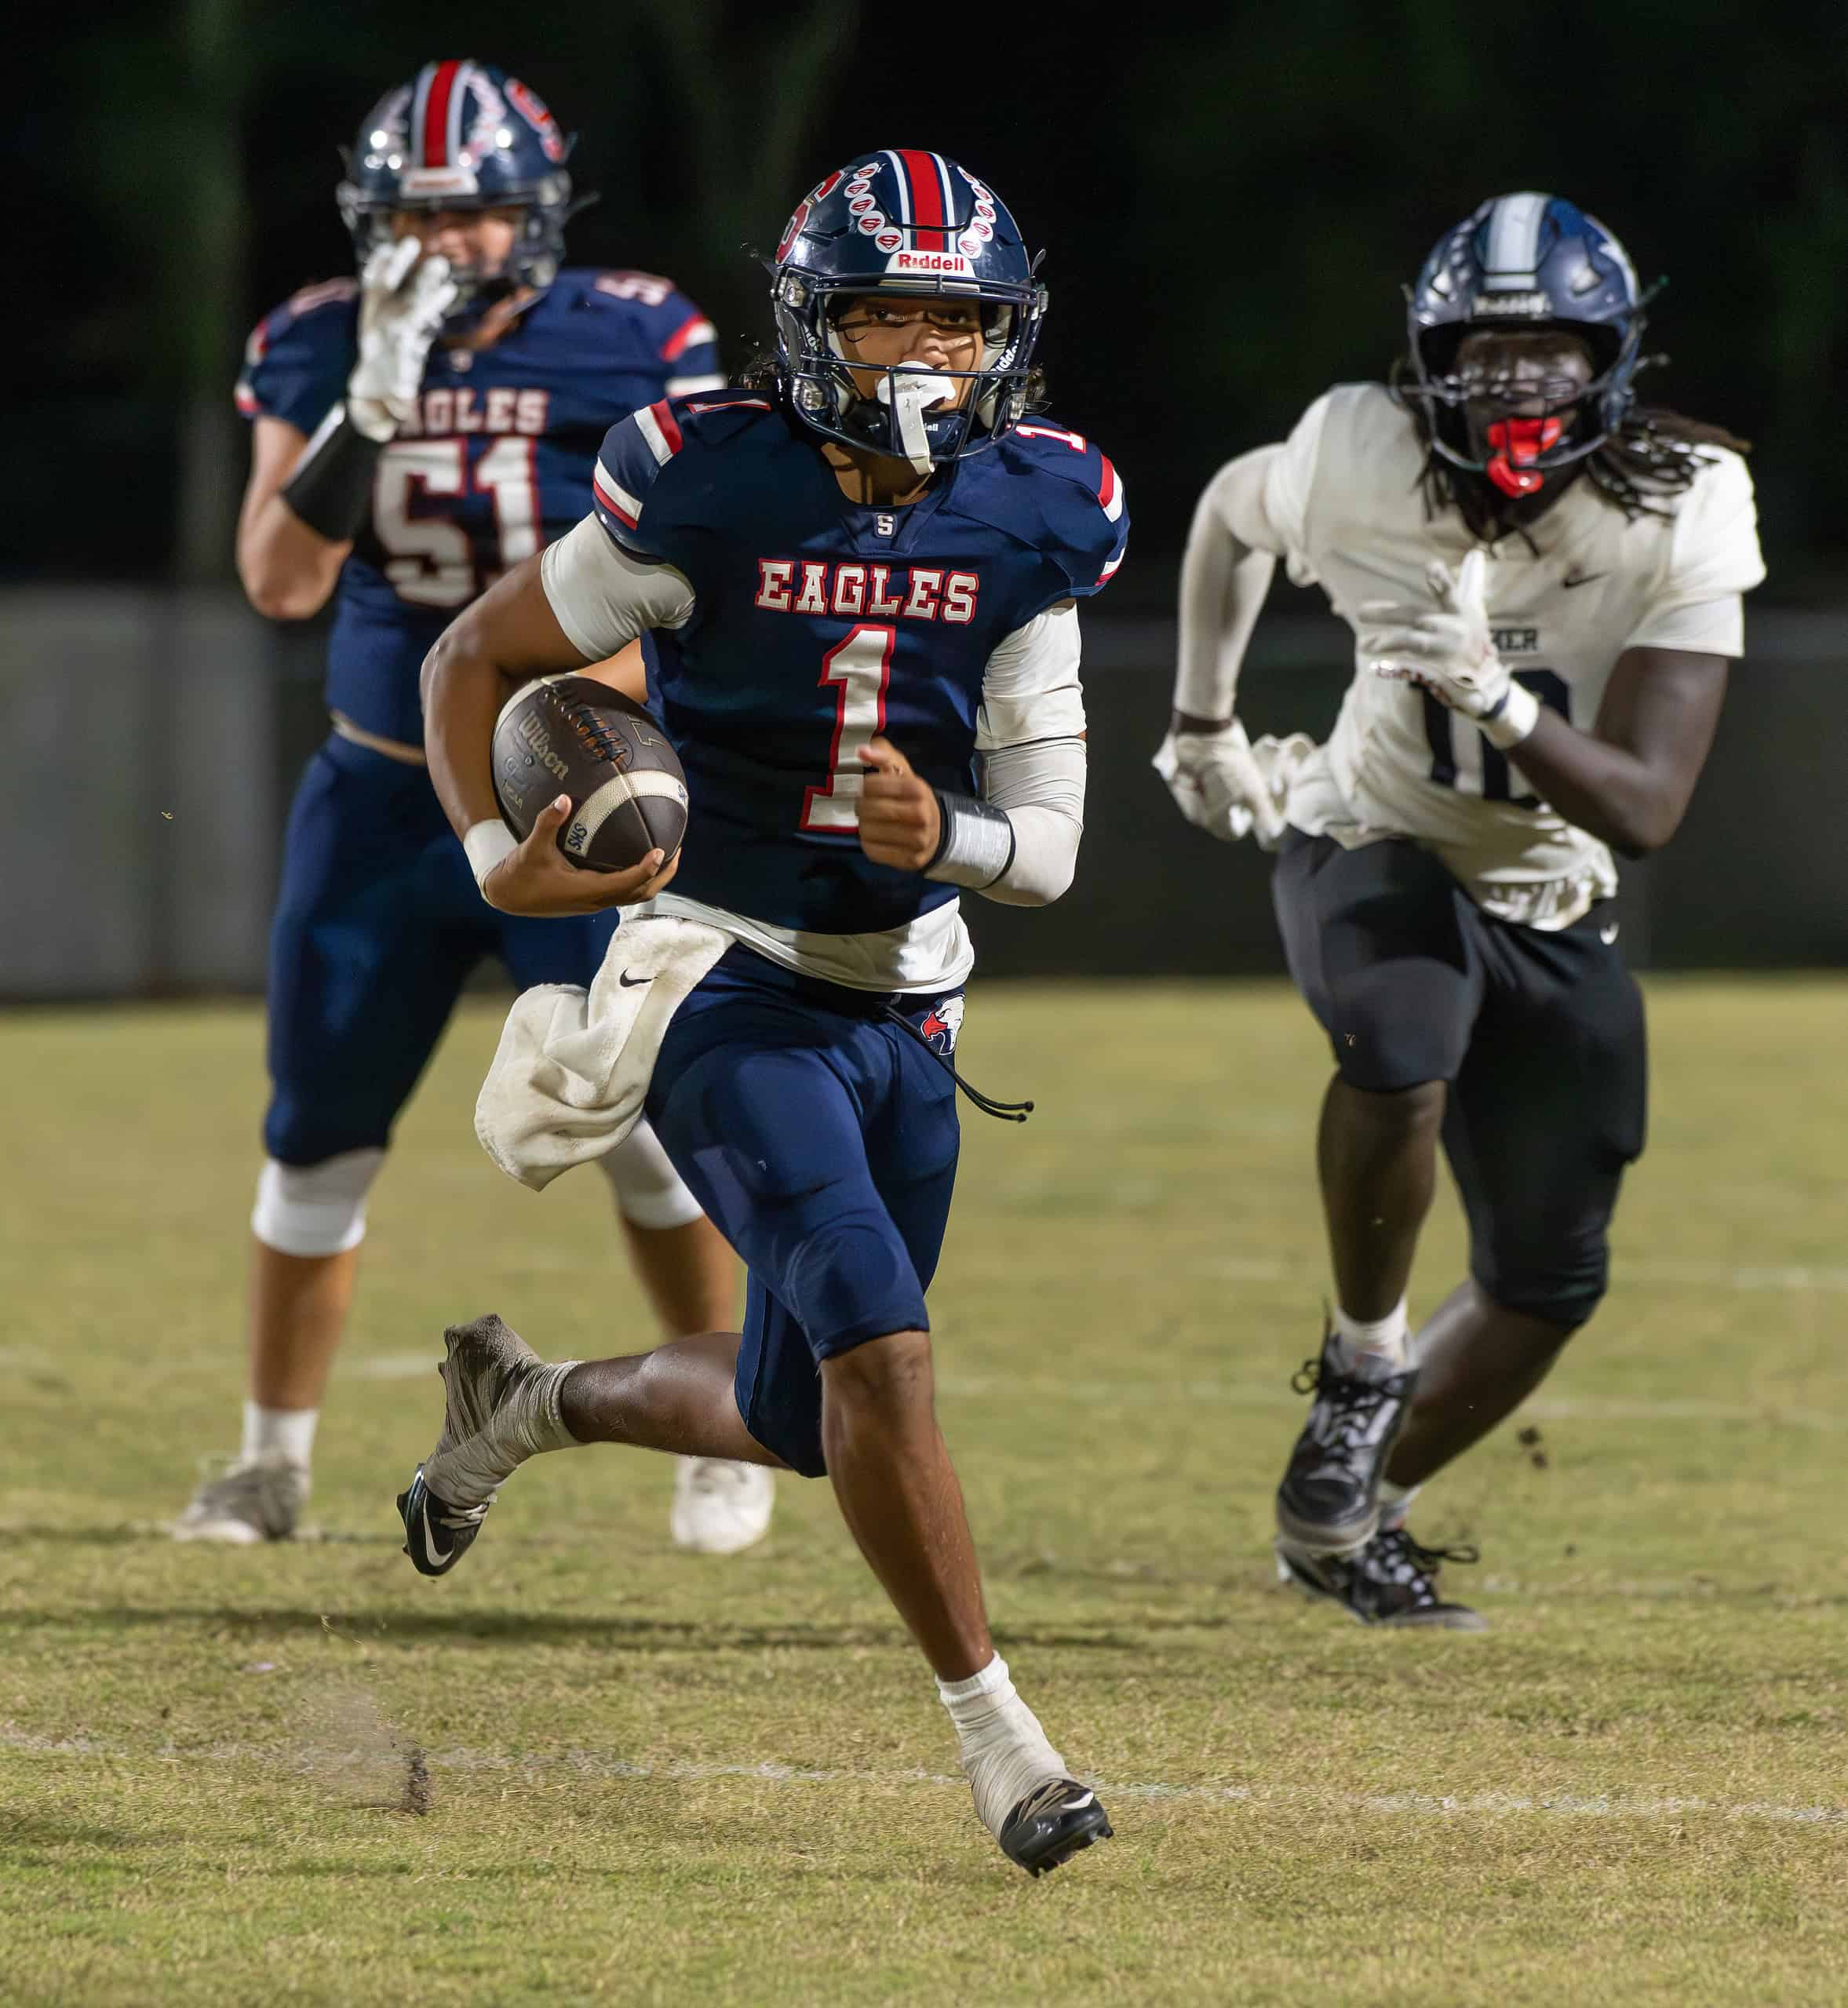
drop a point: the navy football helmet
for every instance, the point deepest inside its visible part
(464, 135)
(913, 224)
(1524, 262)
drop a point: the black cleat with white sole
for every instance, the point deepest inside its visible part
(1052, 1824)
(1328, 1503)
(436, 1536)
(1393, 1580)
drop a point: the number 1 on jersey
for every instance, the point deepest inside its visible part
(860, 668)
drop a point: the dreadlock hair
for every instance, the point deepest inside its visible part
(1653, 456)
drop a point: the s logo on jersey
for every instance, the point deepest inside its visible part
(884, 592)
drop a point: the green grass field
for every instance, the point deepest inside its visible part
(656, 1778)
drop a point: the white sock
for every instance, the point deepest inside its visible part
(1005, 1751)
(1395, 1504)
(527, 1422)
(1374, 1348)
(285, 1433)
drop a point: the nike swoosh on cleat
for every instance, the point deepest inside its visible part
(1581, 579)
(430, 1550)
(628, 982)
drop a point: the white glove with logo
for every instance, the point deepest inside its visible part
(1226, 786)
(402, 298)
(1450, 652)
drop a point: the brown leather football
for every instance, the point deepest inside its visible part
(572, 735)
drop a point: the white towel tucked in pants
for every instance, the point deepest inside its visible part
(572, 1066)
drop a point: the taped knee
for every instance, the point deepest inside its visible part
(650, 1192)
(314, 1209)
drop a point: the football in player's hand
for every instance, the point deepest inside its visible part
(574, 736)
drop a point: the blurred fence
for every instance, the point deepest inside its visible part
(155, 738)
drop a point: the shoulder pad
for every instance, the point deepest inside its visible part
(299, 355)
(638, 453)
(672, 324)
(1079, 506)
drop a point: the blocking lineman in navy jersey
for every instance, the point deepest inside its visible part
(1544, 579)
(857, 585)
(417, 432)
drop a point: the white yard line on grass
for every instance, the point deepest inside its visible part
(1749, 1279)
(596, 1764)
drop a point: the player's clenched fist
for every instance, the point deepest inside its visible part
(900, 823)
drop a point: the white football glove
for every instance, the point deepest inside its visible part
(1226, 786)
(402, 298)
(1450, 650)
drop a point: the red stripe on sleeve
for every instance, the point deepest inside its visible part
(676, 342)
(1106, 488)
(669, 430)
(436, 115)
(927, 197)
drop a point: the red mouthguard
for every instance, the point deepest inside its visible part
(1519, 442)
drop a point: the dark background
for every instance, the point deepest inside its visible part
(1231, 198)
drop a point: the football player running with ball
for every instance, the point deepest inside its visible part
(851, 583)
(1544, 579)
(416, 433)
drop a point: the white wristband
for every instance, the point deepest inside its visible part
(1513, 719)
(486, 843)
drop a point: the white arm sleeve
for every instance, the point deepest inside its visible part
(1020, 844)
(1041, 789)
(602, 597)
(1253, 512)
(1029, 685)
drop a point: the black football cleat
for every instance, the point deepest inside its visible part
(1392, 1580)
(436, 1537)
(1328, 1503)
(1052, 1824)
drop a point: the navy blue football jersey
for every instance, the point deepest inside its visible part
(817, 623)
(494, 463)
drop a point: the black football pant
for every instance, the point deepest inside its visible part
(1540, 1036)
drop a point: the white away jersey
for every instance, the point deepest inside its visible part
(1342, 502)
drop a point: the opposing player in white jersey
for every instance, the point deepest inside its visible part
(1544, 579)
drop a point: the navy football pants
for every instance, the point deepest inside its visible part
(822, 1139)
(378, 924)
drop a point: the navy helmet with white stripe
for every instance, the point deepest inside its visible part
(915, 223)
(1525, 261)
(463, 135)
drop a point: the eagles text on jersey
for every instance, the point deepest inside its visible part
(814, 624)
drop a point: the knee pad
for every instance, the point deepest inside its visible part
(850, 1279)
(1559, 1284)
(650, 1192)
(1391, 1030)
(314, 1209)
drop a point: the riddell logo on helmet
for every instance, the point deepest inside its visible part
(1535, 305)
(947, 262)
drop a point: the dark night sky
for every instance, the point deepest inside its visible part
(1229, 199)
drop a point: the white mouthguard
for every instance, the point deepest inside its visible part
(911, 390)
